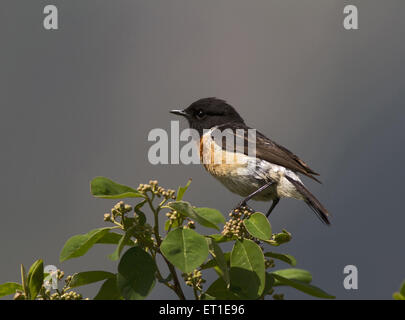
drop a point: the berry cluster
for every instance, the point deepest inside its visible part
(71, 295)
(45, 292)
(234, 226)
(176, 219)
(173, 215)
(157, 190)
(139, 228)
(194, 279)
(119, 210)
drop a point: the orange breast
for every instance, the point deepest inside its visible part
(217, 161)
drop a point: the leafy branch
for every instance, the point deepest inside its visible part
(246, 272)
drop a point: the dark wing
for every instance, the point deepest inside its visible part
(270, 151)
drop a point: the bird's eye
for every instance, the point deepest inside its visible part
(200, 114)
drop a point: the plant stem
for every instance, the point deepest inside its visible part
(195, 293)
(176, 287)
(159, 274)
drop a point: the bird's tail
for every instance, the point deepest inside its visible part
(311, 201)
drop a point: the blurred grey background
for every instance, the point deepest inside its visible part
(79, 102)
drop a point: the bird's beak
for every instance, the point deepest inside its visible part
(179, 113)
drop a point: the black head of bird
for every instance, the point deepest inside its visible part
(209, 112)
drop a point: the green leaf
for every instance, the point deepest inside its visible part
(283, 257)
(87, 277)
(24, 280)
(35, 278)
(182, 190)
(398, 296)
(304, 287)
(219, 290)
(128, 222)
(185, 248)
(213, 263)
(141, 215)
(247, 269)
(258, 226)
(294, 274)
(78, 245)
(187, 210)
(212, 215)
(206, 296)
(110, 238)
(9, 288)
(219, 238)
(401, 294)
(116, 254)
(136, 274)
(279, 238)
(269, 284)
(218, 255)
(123, 241)
(109, 290)
(105, 188)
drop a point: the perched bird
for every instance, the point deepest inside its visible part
(269, 175)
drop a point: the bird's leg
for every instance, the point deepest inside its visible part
(273, 205)
(250, 196)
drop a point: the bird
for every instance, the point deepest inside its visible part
(270, 174)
